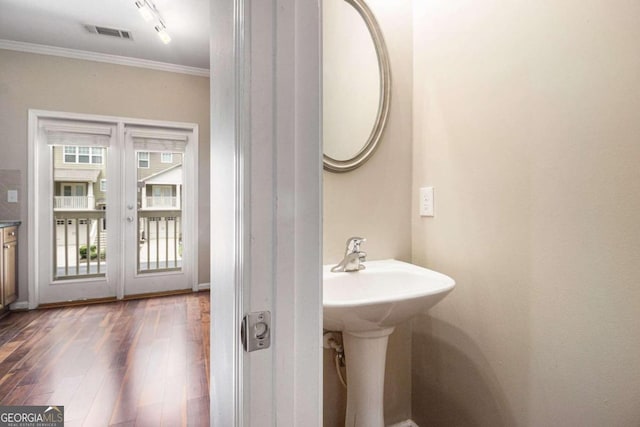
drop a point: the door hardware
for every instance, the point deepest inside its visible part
(255, 331)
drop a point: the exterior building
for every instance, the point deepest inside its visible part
(160, 180)
(79, 178)
(80, 196)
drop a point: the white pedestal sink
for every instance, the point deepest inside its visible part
(366, 306)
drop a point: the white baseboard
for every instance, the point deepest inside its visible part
(204, 286)
(405, 423)
(20, 305)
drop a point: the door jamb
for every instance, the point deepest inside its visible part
(282, 74)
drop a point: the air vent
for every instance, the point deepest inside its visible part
(111, 32)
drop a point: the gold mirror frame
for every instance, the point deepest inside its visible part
(369, 148)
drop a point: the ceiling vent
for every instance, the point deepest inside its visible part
(111, 32)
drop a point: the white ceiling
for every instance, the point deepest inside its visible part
(60, 23)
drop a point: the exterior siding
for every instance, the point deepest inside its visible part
(156, 165)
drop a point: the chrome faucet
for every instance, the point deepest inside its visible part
(353, 256)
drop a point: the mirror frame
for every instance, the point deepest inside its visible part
(370, 146)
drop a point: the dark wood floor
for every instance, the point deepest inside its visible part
(140, 362)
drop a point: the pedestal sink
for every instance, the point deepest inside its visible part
(366, 306)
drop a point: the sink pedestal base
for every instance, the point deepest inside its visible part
(366, 353)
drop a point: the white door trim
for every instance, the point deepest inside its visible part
(35, 208)
(266, 171)
(227, 220)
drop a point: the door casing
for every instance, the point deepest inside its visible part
(266, 179)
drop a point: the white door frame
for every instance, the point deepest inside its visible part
(36, 208)
(266, 177)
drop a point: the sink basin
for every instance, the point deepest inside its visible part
(366, 306)
(383, 295)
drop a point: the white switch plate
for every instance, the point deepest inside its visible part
(426, 201)
(12, 196)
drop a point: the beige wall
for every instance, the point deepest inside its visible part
(526, 121)
(10, 180)
(29, 81)
(373, 201)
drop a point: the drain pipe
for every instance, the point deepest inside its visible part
(330, 341)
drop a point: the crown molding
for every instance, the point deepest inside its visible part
(101, 57)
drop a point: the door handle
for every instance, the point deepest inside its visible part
(130, 218)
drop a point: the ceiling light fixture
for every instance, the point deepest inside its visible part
(145, 10)
(162, 33)
(150, 13)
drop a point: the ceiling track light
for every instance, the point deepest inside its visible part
(162, 33)
(149, 13)
(146, 10)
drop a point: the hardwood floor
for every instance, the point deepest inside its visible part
(127, 363)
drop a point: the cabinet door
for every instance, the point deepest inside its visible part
(9, 252)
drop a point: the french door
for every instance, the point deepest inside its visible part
(155, 211)
(136, 176)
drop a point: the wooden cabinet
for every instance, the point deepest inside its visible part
(8, 266)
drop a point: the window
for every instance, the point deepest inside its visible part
(70, 154)
(143, 160)
(103, 185)
(73, 189)
(166, 158)
(86, 155)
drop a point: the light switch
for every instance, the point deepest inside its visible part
(12, 196)
(426, 201)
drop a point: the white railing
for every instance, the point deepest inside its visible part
(78, 251)
(162, 202)
(70, 202)
(159, 241)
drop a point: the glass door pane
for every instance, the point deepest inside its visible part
(158, 232)
(159, 202)
(79, 207)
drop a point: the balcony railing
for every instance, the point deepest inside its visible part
(161, 202)
(80, 245)
(160, 241)
(70, 202)
(79, 252)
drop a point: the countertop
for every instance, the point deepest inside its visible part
(4, 224)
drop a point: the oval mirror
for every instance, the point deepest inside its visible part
(356, 84)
